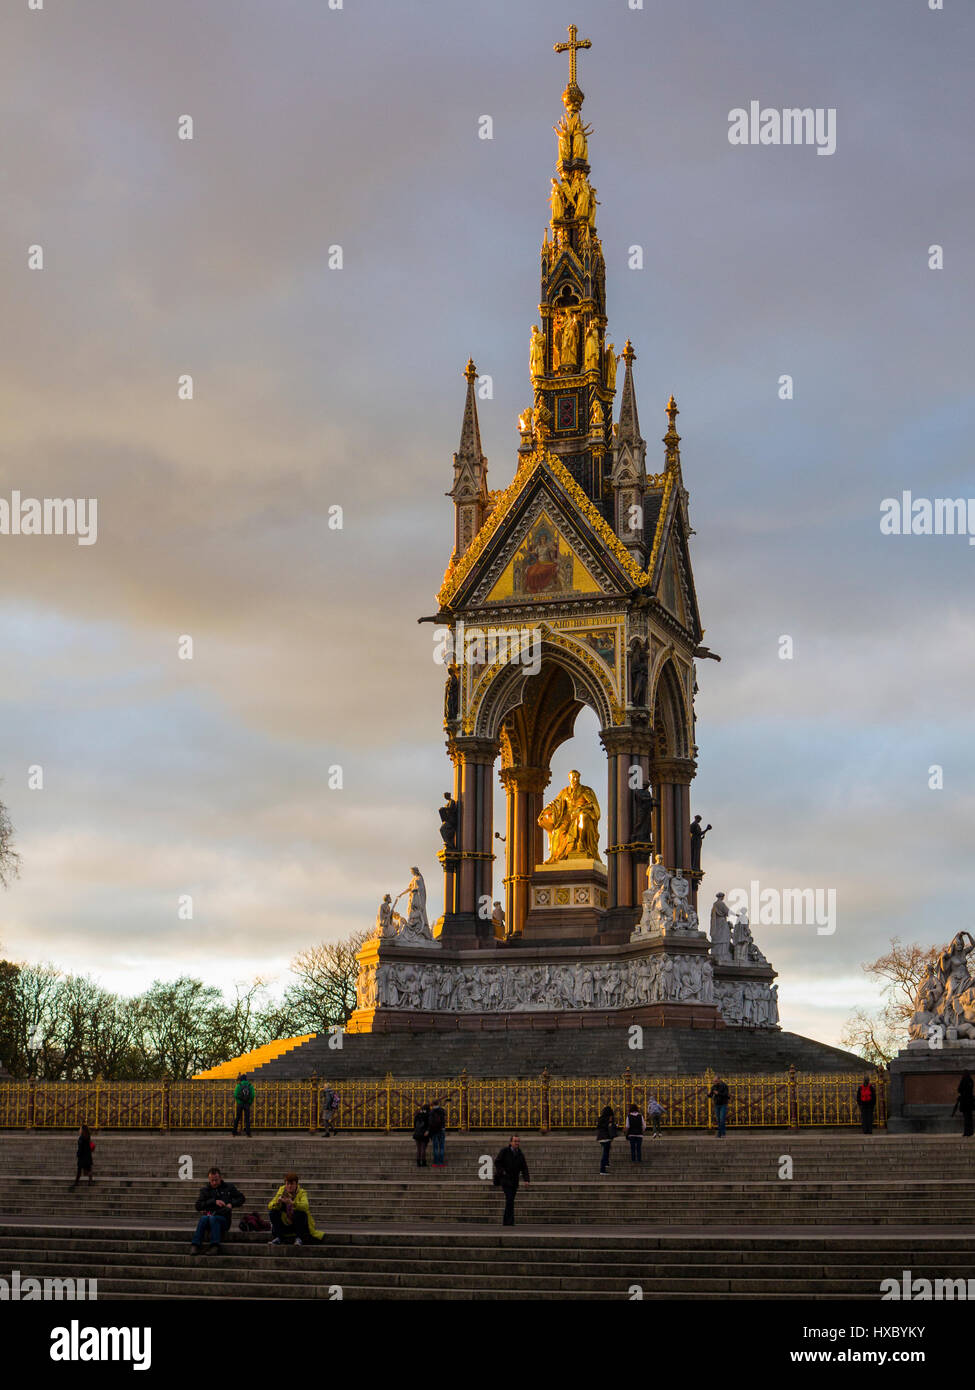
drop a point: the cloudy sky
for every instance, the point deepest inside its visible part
(314, 387)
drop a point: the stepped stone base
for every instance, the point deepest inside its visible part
(539, 1020)
(924, 1087)
(524, 1051)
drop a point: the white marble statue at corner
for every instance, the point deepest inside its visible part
(415, 928)
(720, 931)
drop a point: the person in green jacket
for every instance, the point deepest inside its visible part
(243, 1099)
(290, 1213)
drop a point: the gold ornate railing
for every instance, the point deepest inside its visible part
(787, 1100)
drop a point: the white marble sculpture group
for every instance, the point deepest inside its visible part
(946, 997)
(414, 928)
(669, 975)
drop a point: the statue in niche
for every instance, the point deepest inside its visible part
(448, 821)
(451, 701)
(644, 804)
(639, 666)
(583, 197)
(572, 822)
(610, 359)
(536, 352)
(569, 341)
(592, 355)
(558, 200)
(697, 841)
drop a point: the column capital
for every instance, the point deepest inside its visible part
(680, 771)
(474, 750)
(525, 779)
(627, 738)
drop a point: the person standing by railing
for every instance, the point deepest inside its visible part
(421, 1133)
(719, 1096)
(438, 1133)
(243, 1100)
(331, 1111)
(866, 1099)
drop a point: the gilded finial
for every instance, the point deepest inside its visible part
(629, 356)
(572, 96)
(470, 371)
(672, 438)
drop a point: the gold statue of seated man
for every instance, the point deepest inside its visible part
(572, 822)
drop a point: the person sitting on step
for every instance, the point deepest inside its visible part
(216, 1200)
(290, 1213)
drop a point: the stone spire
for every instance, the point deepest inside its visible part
(671, 443)
(629, 475)
(573, 368)
(629, 423)
(470, 490)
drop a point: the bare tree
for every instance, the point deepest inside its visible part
(9, 858)
(325, 992)
(879, 1037)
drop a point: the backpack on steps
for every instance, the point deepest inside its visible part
(253, 1222)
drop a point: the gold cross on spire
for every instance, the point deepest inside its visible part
(572, 48)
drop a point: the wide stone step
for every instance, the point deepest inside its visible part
(500, 1271)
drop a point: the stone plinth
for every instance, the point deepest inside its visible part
(924, 1086)
(566, 902)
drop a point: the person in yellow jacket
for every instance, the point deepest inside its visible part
(290, 1213)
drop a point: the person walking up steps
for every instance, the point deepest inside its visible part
(86, 1148)
(635, 1128)
(606, 1131)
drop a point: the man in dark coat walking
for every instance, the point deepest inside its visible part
(509, 1167)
